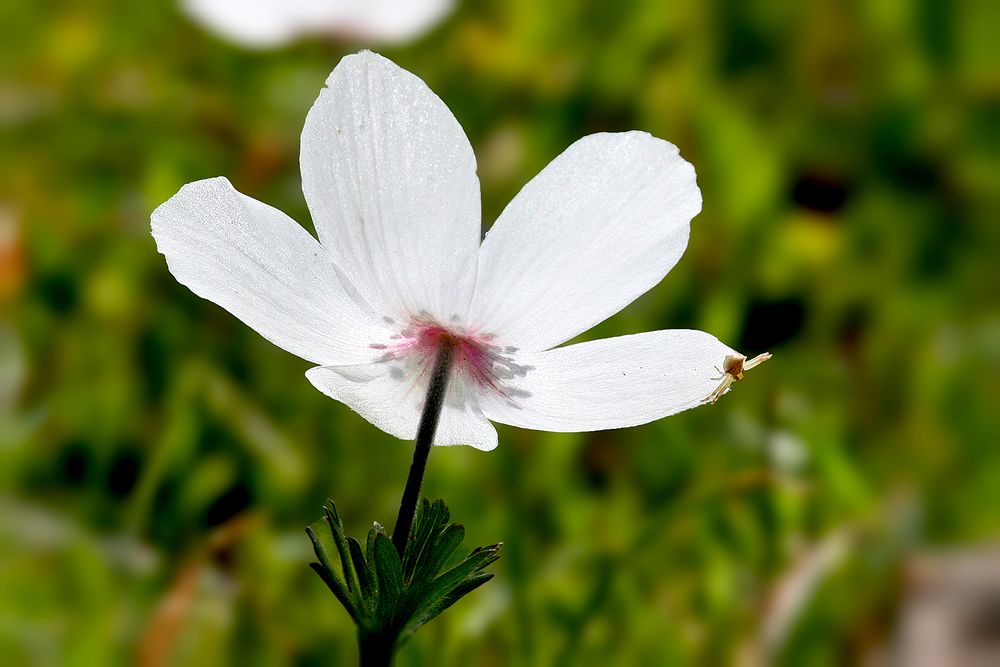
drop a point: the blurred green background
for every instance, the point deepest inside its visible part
(159, 460)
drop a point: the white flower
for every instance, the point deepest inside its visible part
(270, 23)
(390, 180)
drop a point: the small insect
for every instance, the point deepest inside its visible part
(732, 370)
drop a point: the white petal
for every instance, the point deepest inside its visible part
(610, 383)
(392, 20)
(270, 23)
(598, 227)
(261, 266)
(391, 181)
(392, 399)
(253, 23)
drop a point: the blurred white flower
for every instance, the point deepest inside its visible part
(390, 180)
(787, 451)
(271, 23)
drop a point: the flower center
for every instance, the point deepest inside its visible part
(479, 363)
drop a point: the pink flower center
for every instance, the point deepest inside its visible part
(478, 362)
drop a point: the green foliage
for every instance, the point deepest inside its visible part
(390, 599)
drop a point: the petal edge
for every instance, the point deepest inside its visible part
(390, 179)
(392, 402)
(611, 382)
(595, 229)
(264, 268)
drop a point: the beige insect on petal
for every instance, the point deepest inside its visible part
(733, 368)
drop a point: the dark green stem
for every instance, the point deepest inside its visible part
(375, 650)
(422, 449)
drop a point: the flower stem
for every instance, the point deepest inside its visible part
(422, 449)
(375, 650)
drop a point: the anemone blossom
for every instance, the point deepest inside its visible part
(401, 269)
(272, 23)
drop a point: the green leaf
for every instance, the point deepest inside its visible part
(366, 574)
(390, 579)
(427, 599)
(444, 545)
(430, 519)
(370, 541)
(439, 600)
(329, 578)
(391, 597)
(337, 530)
(469, 584)
(418, 538)
(324, 547)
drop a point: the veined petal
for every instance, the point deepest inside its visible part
(261, 266)
(390, 178)
(391, 397)
(610, 383)
(598, 227)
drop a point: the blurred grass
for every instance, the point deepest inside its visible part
(158, 460)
